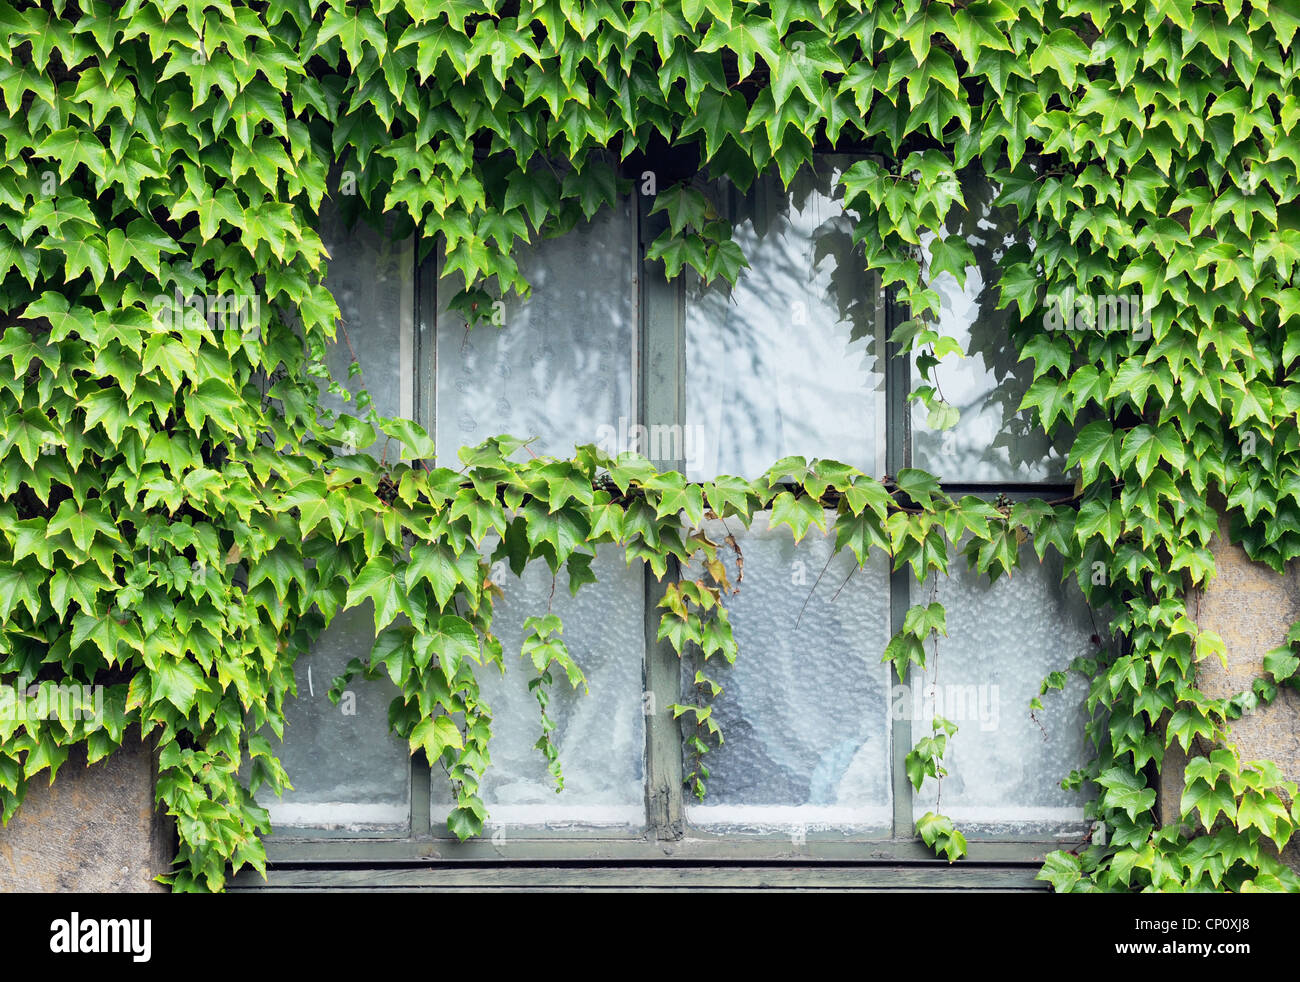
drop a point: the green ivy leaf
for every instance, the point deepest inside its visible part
(799, 513)
(453, 640)
(1127, 791)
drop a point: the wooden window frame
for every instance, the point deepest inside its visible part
(670, 853)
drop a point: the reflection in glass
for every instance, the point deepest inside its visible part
(600, 734)
(804, 710)
(993, 441)
(787, 362)
(559, 367)
(1004, 766)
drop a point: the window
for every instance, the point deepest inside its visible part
(793, 360)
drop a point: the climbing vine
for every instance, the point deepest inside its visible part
(180, 517)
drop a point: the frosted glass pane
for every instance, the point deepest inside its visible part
(350, 773)
(1004, 769)
(805, 709)
(788, 361)
(560, 369)
(993, 441)
(600, 735)
(348, 770)
(371, 278)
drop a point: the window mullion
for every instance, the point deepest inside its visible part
(425, 342)
(421, 796)
(661, 402)
(423, 388)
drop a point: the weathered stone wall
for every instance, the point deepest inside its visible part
(1251, 607)
(95, 829)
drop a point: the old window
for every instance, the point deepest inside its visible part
(792, 361)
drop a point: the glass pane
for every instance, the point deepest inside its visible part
(804, 711)
(349, 771)
(1004, 764)
(600, 734)
(788, 361)
(372, 278)
(560, 367)
(993, 442)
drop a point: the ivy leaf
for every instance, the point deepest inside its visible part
(1281, 664)
(1265, 812)
(45, 754)
(281, 566)
(414, 436)
(1210, 800)
(536, 192)
(803, 69)
(924, 24)
(1096, 446)
(686, 207)
(444, 570)
(213, 400)
(799, 513)
(719, 115)
(179, 682)
(951, 255)
(82, 523)
(434, 736)
(563, 530)
(942, 416)
(1186, 724)
(382, 584)
(1127, 791)
(921, 621)
(1051, 398)
(676, 252)
(747, 38)
(678, 497)
(938, 833)
(72, 148)
(579, 567)
(1063, 52)
(1062, 870)
(936, 109)
(661, 23)
(729, 496)
(1146, 446)
(593, 188)
(903, 651)
(87, 252)
(859, 533)
(452, 639)
(392, 649)
(356, 28)
(20, 585)
(918, 485)
(464, 823)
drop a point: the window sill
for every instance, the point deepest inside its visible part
(657, 877)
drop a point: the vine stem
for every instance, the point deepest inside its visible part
(808, 599)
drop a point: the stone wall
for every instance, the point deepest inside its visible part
(95, 829)
(1251, 607)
